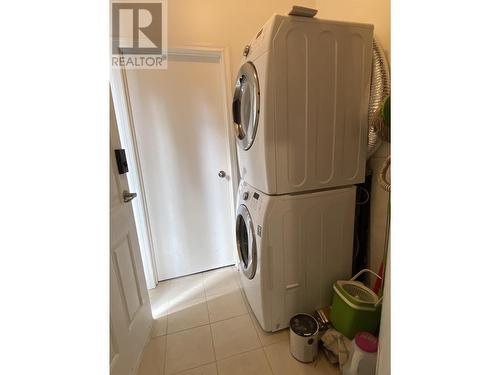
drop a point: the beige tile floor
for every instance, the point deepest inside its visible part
(204, 326)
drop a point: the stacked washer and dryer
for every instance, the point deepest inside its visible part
(300, 112)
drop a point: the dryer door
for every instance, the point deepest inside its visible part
(246, 105)
(245, 239)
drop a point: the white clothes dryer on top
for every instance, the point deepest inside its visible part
(292, 248)
(300, 105)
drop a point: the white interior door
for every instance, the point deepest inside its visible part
(131, 318)
(180, 118)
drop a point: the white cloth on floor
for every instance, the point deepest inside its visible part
(338, 344)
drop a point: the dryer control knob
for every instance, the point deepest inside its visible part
(245, 195)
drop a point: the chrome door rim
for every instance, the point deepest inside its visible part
(251, 267)
(245, 132)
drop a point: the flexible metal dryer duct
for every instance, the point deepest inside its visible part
(379, 90)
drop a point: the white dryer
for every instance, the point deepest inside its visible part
(292, 249)
(300, 105)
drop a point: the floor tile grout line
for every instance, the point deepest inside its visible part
(213, 348)
(224, 293)
(258, 335)
(261, 346)
(273, 333)
(248, 312)
(206, 324)
(164, 367)
(217, 271)
(268, 361)
(192, 368)
(259, 329)
(216, 361)
(255, 329)
(235, 316)
(186, 329)
(211, 332)
(219, 321)
(165, 358)
(246, 351)
(225, 290)
(241, 353)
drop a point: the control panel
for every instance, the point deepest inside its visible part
(257, 41)
(249, 196)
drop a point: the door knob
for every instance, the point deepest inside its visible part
(127, 196)
(222, 174)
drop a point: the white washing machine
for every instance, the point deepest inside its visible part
(292, 248)
(300, 105)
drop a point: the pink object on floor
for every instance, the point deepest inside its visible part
(366, 342)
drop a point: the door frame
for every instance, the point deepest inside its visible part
(116, 324)
(126, 127)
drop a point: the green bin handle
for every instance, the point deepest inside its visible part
(373, 273)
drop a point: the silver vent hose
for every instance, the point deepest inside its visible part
(380, 88)
(382, 177)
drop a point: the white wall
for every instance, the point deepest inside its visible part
(223, 23)
(384, 349)
(233, 23)
(378, 211)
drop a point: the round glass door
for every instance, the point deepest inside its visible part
(245, 240)
(246, 105)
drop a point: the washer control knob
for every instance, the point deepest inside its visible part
(245, 195)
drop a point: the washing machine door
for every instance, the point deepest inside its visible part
(246, 105)
(245, 240)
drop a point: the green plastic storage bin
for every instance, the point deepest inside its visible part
(355, 307)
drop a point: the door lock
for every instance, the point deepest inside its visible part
(222, 174)
(127, 196)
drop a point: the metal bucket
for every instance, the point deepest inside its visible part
(304, 330)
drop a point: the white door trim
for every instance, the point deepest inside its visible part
(130, 330)
(118, 80)
(127, 132)
(232, 152)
